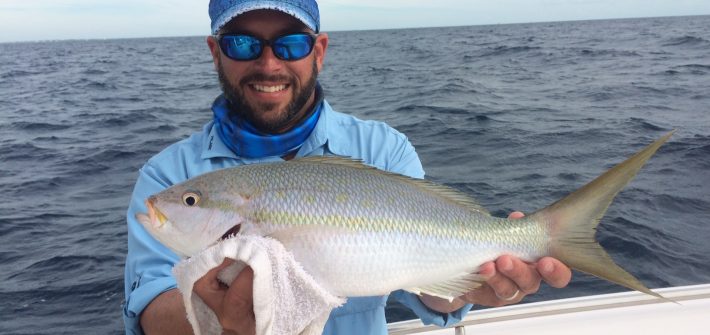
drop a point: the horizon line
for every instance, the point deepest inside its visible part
(356, 30)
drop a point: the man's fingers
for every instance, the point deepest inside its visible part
(503, 288)
(484, 295)
(522, 274)
(233, 303)
(209, 288)
(554, 272)
(487, 270)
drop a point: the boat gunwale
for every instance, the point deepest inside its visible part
(560, 307)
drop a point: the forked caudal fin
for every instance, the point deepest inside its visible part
(573, 220)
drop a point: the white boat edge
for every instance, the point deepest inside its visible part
(607, 313)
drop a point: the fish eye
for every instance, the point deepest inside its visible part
(191, 199)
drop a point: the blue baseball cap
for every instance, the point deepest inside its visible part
(223, 11)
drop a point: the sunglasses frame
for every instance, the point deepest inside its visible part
(264, 43)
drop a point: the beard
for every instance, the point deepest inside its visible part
(253, 112)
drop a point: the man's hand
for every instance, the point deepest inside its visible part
(510, 279)
(232, 304)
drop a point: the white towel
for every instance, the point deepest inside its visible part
(287, 300)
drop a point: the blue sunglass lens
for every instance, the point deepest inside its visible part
(293, 47)
(288, 47)
(241, 47)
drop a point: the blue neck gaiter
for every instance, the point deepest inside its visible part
(245, 140)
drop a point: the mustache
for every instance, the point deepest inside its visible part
(265, 77)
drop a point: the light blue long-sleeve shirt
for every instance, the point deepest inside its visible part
(149, 263)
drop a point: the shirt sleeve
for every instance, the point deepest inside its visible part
(427, 315)
(148, 270)
(401, 157)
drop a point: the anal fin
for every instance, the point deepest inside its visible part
(452, 288)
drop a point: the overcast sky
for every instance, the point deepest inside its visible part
(23, 20)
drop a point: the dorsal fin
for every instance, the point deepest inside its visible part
(443, 191)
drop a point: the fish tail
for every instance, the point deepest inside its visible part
(572, 222)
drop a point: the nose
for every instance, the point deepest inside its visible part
(268, 60)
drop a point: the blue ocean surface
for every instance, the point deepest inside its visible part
(517, 116)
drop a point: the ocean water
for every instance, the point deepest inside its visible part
(514, 115)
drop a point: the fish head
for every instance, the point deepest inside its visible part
(187, 218)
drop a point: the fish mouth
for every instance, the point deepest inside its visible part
(231, 232)
(157, 218)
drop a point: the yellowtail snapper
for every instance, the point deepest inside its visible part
(360, 231)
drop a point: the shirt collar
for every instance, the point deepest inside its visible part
(213, 147)
(319, 137)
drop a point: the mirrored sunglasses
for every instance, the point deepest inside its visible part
(290, 47)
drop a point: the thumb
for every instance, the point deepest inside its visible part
(240, 292)
(210, 289)
(238, 304)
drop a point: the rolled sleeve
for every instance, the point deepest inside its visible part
(427, 315)
(148, 262)
(140, 297)
(405, 160)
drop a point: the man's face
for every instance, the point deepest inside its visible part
(271, 93)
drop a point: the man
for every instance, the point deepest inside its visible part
(268, 55)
